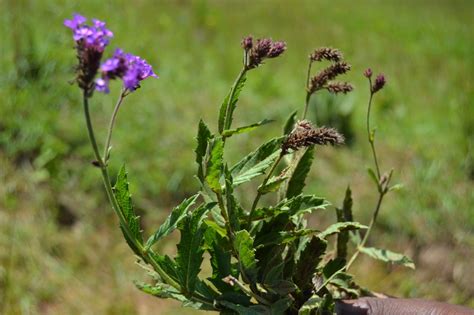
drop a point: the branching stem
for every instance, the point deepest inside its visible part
(259, 194)
(111, 125)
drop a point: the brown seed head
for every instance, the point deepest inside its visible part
(326, 53)
(304, 135)
(89, 63)
(339, 87)
(329, 73)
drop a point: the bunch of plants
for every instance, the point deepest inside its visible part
(264, 257)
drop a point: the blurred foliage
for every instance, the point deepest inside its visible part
(424, 118)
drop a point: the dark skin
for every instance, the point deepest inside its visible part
(392, 306)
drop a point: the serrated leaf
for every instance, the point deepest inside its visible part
(246, 310)
(220, 260)
(257, 170)
(161, 290)
(317, 305)
(229, 104)
(333, 266)
(190, 248)
(124, 200)
(255, 157)
(248, 128)
(344, 214)
(203, 137)
(388, 256)
(171, 222)
(341, 226)
(215, 165)
(290, 123)
(297, 181)
(167, 264)
(308, 261)
(272, 185)
(280, 306)
(301, 204)
(243, 243)
(234, 210)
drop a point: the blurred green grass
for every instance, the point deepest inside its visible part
(60, 249)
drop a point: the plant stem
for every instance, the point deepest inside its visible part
(111, 125)
(382, 190)
(115, 206)
(227, 120)
(308, 93)
(259, 194)
(370, 134)
(366, 236)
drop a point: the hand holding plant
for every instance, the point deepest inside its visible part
(264, 258)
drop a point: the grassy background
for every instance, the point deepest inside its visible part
(60, 249)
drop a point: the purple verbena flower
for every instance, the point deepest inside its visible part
(130, 68)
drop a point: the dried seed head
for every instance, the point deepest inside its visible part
(329, 73)
(368, 73)
(379, 83)
(304, 135)
(326, 53)
(89, 62)
(339, 87)
(247, 43)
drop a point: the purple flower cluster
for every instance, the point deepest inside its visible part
(96, 36)
(90, 44)
(379, 81)
(130, 68)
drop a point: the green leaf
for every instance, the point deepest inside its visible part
(229, 104)
(203, 137)
(290, 123)
(124, 200)
(215, 165)
(396, 187)
(279, 307)
(317, 305)
(297, 180)
(340, 227)
(243, 243)
(257, 170)
(246, 310)
(388, 256)
(344, 214)
(308, 261)
(161, 290)
(301, 204)
(190, 248)
(255, 157)
(233, 208)
(220, 250)
(239, 130)
(272, 185)
(167, 264)
(171, 222)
